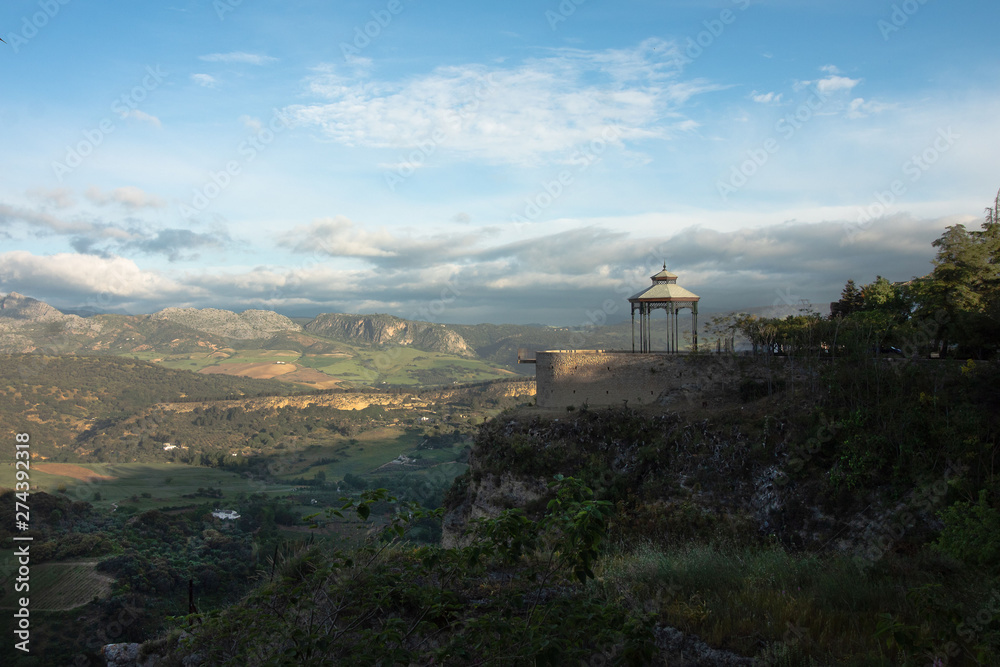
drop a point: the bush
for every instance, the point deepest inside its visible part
(972, 532)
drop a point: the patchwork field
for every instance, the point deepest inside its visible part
(263, 370)
(324, 370)
(57, 586)
(70, 470)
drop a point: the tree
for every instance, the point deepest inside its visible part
(886, 297)
(851, 300)
(963, 291)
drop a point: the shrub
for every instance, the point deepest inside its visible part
(972, 532)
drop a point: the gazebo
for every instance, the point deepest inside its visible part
(664, 293)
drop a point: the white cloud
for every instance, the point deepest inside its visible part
(144, 117)
(830, 69)
(531, 113)
(766, 98)
(251, 123)
(834, 83)
(551, 277)
(860, 108)
(341, 237)
(70, 275)
(129, 196)
(238, 57)
(205, 80)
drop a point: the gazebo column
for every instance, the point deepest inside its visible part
(677, 329)
(671, 318)
(694, 326)
(649, 327)
(633, 327)
(667, 311)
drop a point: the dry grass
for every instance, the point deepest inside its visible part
(70, 470)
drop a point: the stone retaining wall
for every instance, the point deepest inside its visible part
(606, 377)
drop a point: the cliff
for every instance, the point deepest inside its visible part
(389, 330)
(680, 477)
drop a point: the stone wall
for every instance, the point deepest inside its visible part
(604, 377)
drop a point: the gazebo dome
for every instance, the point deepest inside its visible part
(664, 276)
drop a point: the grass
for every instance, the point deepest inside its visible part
(165, 482)
(759, 602)
(57, 586)
(359, 455)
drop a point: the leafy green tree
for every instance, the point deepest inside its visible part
(962, 293)
(886, 297)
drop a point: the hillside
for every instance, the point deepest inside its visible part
(90, 409)
(827, 523)
(62, 398)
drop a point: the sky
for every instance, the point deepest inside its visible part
(516, 162)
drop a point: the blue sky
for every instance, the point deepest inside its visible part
(486, 162)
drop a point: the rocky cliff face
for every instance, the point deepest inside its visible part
(681, 478)
(361, 400)
(15, 308)
(389, 330)
(248, 325)
(29, 325)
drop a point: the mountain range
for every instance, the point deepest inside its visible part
(328, 349)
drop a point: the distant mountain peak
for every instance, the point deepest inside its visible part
(247, 325)
(387, 329)
(16, 306)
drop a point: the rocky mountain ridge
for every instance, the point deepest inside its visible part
(248, 325)
(390, 330)
(29, 325)
(19, 309)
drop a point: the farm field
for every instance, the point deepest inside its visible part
(166, 483)
(324, 370)
(57, 586)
